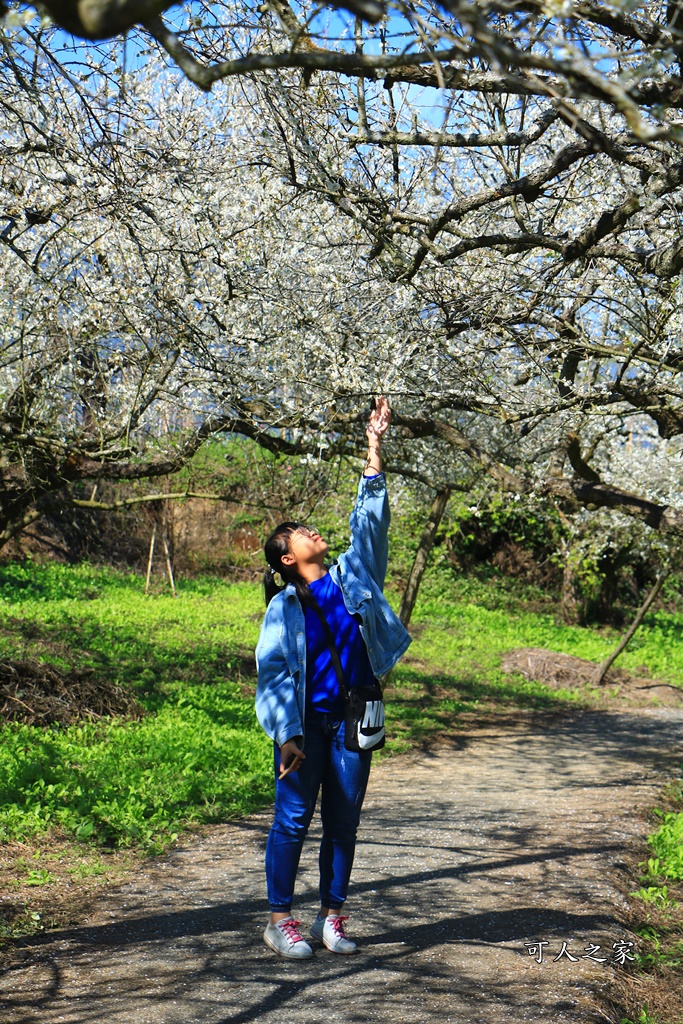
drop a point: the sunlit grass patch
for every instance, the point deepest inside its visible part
(199, 755)
(475, 621)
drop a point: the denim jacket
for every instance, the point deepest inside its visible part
(360, 572)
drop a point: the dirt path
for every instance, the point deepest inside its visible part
(465, 855)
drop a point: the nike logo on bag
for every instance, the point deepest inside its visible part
(374, 714)
(365, 742)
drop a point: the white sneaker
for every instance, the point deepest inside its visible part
(286, 939)
(331, 932)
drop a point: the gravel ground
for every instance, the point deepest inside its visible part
(465, 854)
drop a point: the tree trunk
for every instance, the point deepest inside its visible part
(642, 612)
(422, 555)
(571, 597)
(150, 558)
(169, 567)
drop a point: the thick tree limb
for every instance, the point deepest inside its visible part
(468, 32)
(16, 526)
(427, 427)
(663, 518)
(668, 92)
(665, 263)
(102, 19)
(578, 464)
(455, 139)
(313, 59)
(669, 421)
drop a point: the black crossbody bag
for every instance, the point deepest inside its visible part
(363, 705)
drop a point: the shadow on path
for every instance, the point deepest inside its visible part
(462, 859)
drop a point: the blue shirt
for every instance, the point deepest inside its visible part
(322, 685)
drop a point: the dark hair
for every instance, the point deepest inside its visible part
(275, 547)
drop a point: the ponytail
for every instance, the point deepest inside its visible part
(270, 587)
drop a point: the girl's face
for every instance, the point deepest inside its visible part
(305, 546)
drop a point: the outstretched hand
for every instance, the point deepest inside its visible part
(380, 418)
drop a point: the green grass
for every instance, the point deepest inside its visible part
(644, 1017)
(199, 755)
(134, 783)
(660, 916)
(479, 621)
(667, 842)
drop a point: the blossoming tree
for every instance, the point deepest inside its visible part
(474, 208)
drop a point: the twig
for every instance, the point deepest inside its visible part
(9, 696)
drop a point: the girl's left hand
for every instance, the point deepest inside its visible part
(380, 418)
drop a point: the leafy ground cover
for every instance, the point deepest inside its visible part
(199, 754)
(80, 796)
(655, 994)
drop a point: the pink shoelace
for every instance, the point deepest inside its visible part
(338, 926)
(290, 927)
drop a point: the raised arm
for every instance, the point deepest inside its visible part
(378, 424)
(370, 517)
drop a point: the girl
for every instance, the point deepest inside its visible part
(299, 705)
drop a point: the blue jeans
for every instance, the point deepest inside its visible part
(343, 775)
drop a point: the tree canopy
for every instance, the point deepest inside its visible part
(472, 207)
(624, 53)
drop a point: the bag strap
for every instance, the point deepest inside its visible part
(334, 653)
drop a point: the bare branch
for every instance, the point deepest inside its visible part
(111, 506)
(502, 138)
